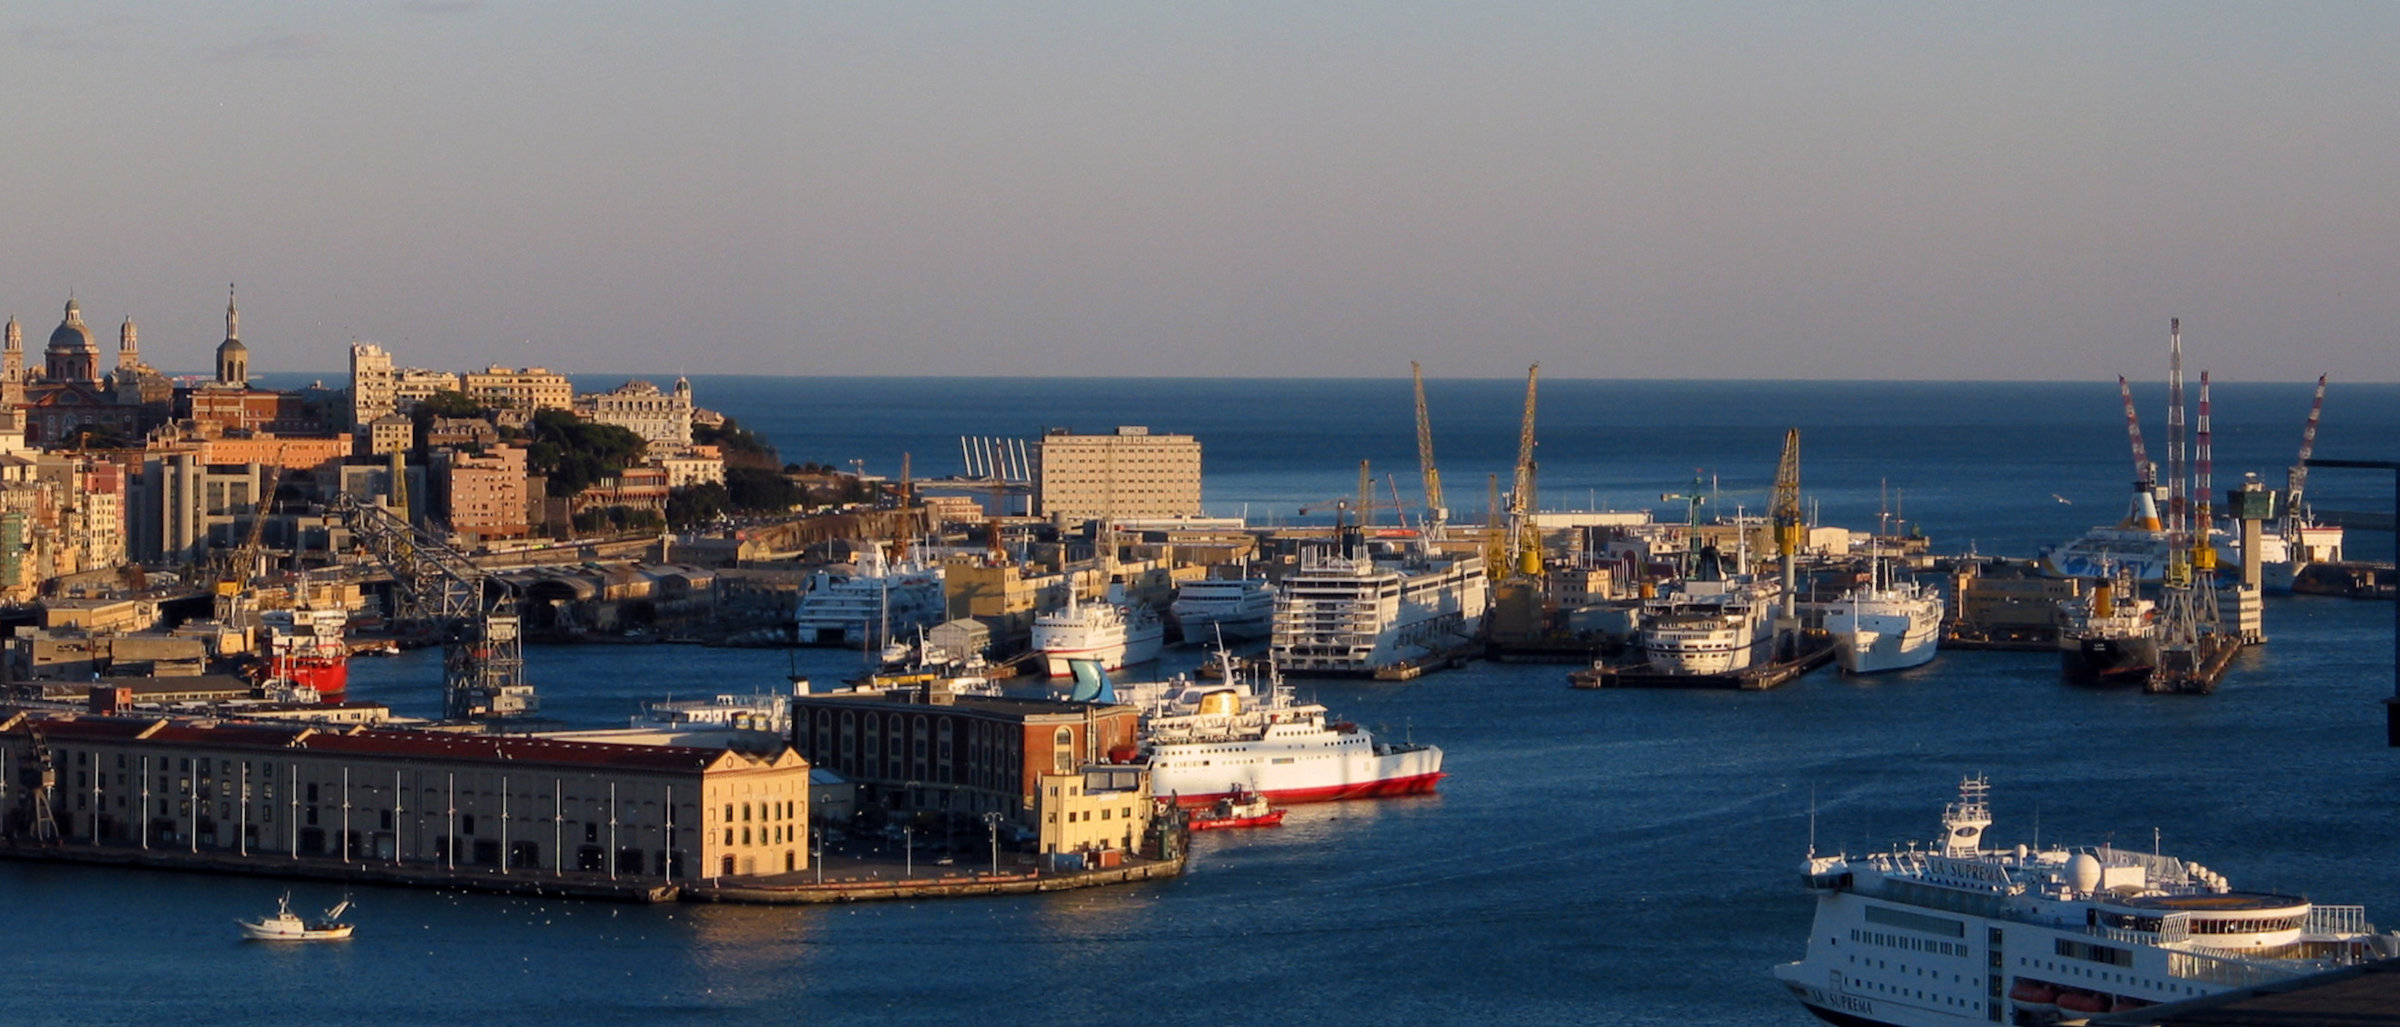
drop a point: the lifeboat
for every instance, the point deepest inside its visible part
(2034, 996)
(2082, 1003)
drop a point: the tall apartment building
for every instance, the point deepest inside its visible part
(372, 388)
(528, 389)
(487, 493)
(1131, 473)
(660, 418)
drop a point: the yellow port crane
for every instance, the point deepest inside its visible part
(1524, 538)
(1436, 515)
(242, 564)
(1790, 532)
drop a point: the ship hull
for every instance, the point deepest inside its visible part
(1415, 784)
(330, 678)
(1871, 640)
(2108, 660)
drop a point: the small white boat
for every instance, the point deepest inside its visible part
(286, 925)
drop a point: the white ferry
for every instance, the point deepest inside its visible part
(1711, 622)
(1116, 633)
(1206, 742)
(1240, 608)
(1348, 610)
(1956, 933)
(874, 604)
(1884, 625)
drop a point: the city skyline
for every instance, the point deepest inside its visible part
(1623, 191)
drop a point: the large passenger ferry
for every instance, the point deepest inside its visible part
(1206, 742)
(1241, 608)
(1958, 933)
(1351, 610)
(1115, 633)
(874, 604)
(1714, 621)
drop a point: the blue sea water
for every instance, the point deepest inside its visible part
(1617, 857)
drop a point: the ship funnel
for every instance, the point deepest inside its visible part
(1091, 683)
(2104, 600)
(1225, 702)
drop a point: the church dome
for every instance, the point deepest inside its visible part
(232, 346)
(72, 334)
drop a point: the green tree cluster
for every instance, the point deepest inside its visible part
(742, 448)
(573, 453)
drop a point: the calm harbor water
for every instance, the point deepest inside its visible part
(1595, 857)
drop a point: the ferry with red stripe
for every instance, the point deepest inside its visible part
(1211, 741)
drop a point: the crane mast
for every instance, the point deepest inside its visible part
(2178, 508)
(1436, 514)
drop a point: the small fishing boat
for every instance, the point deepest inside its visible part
(1243, 808)
(286, 925)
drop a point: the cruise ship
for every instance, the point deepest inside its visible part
(1116, 633)
(1349, 610)
(1237, 608)
(877, 602)
(1711, 622)
(1956, 933)
(1884, 625)
(1205, 742)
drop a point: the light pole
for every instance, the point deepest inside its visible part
(908, 851)
(991, 821)
(816, 837)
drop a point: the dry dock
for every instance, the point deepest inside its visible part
(1749, 679)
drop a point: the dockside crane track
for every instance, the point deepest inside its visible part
(474, 614)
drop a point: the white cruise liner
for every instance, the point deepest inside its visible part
(1711, 622)
(1205, 742)
(1958, 933)
(876, 603)
(1347, 610)
(1118, 634)
(1240, 608)
(1884, 625)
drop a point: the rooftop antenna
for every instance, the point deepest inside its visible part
(1812, 821)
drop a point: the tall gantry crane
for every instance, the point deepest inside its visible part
(241, 565)
(2295, 482)
(475, 615)
(1436, 514)
(1524, 538)
(1790, 532)
(2144, 512)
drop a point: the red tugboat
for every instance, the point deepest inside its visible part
(1243, 808)
(305, 648)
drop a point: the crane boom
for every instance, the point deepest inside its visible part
(2178, 508)
(1785, 512)
(1435, 512)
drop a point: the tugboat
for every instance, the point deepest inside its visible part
(286, 925)
(1243, 808)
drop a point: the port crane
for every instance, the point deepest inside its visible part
(2144, 512)
(474, 614)
(242, 564)
(1524, 537)
(2295, 481)
(1436, 514)
(1790, 531)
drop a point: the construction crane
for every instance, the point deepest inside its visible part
(242, 564)
(1436, 514)
(475, 615)
(1524, 539)
(1495, 532)
(2178, 506)
(1366, 497)
(1790, 532)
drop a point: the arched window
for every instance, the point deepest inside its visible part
(1062, 752)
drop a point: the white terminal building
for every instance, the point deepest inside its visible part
(1131, 473)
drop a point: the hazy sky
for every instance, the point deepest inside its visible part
(1906, 190)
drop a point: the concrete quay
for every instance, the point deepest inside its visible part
(848, 880)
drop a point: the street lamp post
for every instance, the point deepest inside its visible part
(908, 851)
(991, 821)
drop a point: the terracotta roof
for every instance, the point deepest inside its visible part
(400, 743)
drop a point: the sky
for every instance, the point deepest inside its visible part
(1921, 190)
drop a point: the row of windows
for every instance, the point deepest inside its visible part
(1902, 941)
(2107, 977)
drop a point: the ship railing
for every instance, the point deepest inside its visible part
(2337, 920)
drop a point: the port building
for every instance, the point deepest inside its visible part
(269, 794)
(927, 750)
(1130, 473)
